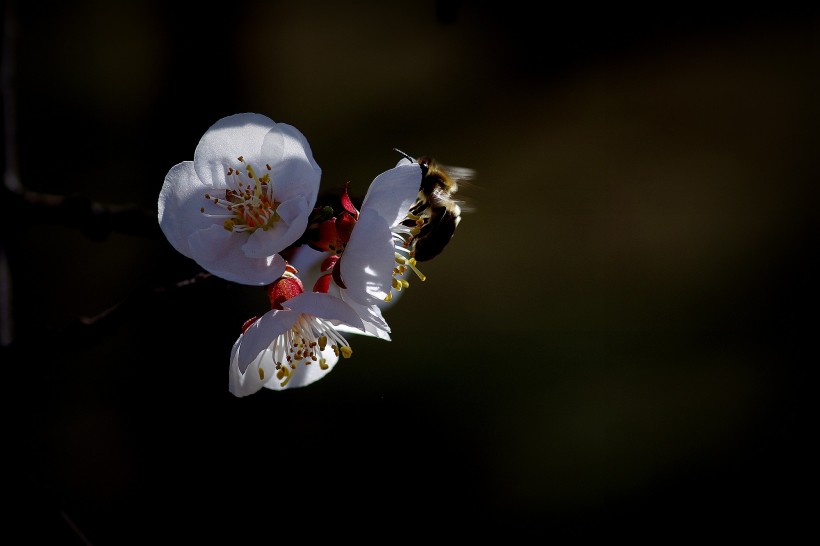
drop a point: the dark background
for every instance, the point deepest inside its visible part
(615, 343)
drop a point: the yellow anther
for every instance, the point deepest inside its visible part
(323, 363)
(346, 351)
(289, 375)
(396, 284)
(411, 263)
(322, 342)
(389, 296)
(404, 283)
(229, 224)
(400, 259)
(261, 374)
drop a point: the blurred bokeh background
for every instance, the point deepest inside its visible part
(615, 343)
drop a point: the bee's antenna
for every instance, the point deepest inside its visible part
(405, 155)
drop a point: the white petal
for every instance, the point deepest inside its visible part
(251, 352)
(368, 260)
(374, 323)
(293, 170)
(242, 384)
(324, 306)
(393, 192)
(219, 252)
(225, 141)
(180, 200)
(262, 333)
(295, 211)
(291, 226)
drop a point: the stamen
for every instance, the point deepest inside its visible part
(304, 344)
(411, 263)
(402, 242)
(248, 206)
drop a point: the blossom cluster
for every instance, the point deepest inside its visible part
(245, 209)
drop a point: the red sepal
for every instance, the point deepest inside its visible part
(322, 284)
(284, 289)
(347, 204)
(248, 323)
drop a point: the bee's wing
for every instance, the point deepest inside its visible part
(460, 173)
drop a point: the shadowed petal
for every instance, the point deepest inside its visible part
(393, 192)
(369, 258)
(217, 250)
(226, 140)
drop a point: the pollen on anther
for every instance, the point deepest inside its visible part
(261, 374)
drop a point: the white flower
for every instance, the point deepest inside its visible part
(368, 264)
(244, 198)
(292, 346)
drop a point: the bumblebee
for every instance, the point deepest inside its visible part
(436, 213)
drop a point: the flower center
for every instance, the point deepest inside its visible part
(305, 342)
(248, 202)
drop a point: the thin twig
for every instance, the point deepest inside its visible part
(138, 297)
